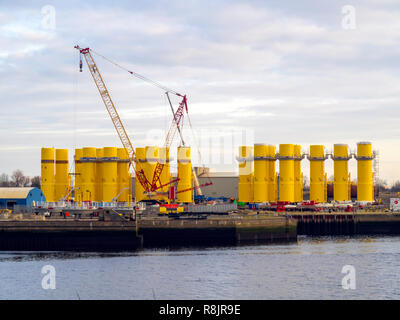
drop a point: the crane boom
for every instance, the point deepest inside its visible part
(175, 125)
(116, 120)
(155, 183)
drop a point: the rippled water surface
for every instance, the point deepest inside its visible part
(308, 269)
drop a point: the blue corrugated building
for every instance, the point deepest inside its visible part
(20, 196)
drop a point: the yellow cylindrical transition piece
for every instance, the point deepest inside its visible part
(341, 184)
(140, 165)
(298, 176)
(166, 172)
(88, 174)
(246, 167)
(286, 172)
(185, 175)
(271, 174)
(260, 173)
(99, 174)
(365, 179)
(123, 176)
(47, 173)
(110, 171)
(61, 177)
(317, 173)
(152, 157)
(91, 183)
(78, 176)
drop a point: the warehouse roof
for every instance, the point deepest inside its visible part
(14, 193)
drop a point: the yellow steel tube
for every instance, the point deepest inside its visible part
(341, 182)
(185, 175)
(99, 174)
(298, 181)
(88, 176)
(260, 173)
(245, 188)
(152, 157)
(286, 172)
(317, 173)
(365, 181)
(110, 171)
(62, 176)
(78, 176)
(123, 175)
(47, 174)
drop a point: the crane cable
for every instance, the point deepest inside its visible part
(139, 76)
(167, 90)
(197, 148)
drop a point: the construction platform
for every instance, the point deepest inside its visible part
(110, 230)
(217, 230)
(113, 230)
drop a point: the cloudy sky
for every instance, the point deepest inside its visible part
(304, 72)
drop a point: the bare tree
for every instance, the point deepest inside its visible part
(19, 180)
(395, 187)
(306, 183)
(4, 180)
(27, 182)
(381, 185)
(35, 182)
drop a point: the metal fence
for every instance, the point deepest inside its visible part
(81, 205)
(217, 208)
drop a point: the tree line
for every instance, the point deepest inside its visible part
(395, 187)
(18, 179)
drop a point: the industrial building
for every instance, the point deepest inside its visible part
(224, 184)
(9, 197)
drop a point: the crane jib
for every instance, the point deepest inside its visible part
(155, 183)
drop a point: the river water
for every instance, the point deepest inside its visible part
(310, 268)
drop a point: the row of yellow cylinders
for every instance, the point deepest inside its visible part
(253, 186)
(102, 175)
(54, 174)
(264, 189)
(290, 175)
(342, 182)
(147, 161)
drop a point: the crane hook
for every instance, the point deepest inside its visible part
(80, 62)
